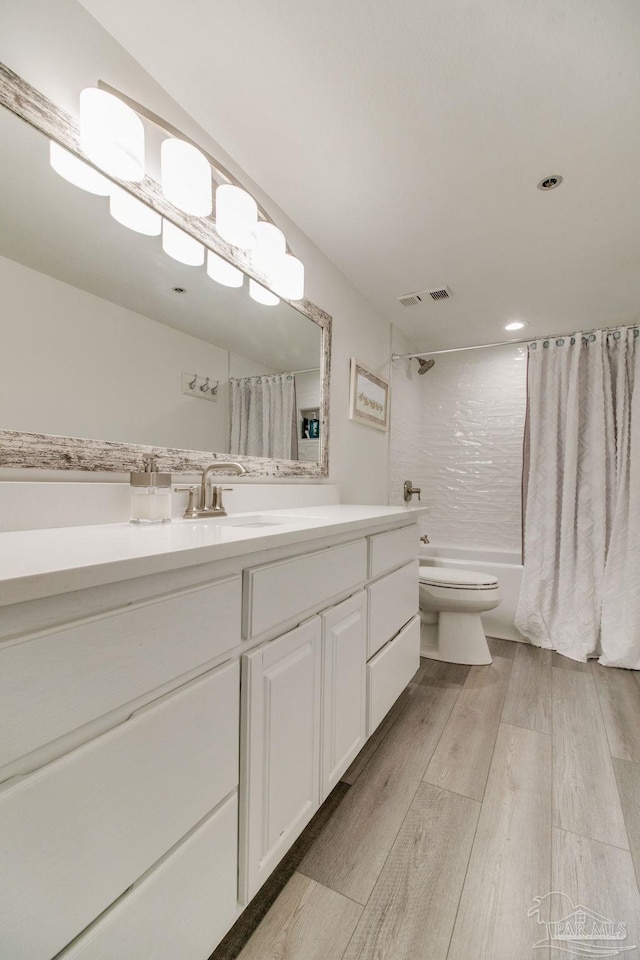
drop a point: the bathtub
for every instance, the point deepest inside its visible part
(506, 565)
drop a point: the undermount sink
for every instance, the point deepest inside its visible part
(269, 520)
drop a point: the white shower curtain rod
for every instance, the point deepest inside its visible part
(432, 353)
(499, 343)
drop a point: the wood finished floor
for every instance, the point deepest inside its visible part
(484, 788)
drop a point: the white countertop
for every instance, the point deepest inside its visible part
(41, 563)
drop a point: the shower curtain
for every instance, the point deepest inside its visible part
(264, 417)
(581, 583)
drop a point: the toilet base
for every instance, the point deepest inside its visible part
(457, 638)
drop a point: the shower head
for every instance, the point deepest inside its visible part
(425, 365)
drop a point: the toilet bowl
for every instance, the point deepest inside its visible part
(451, 602)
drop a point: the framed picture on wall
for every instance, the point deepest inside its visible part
(368, 397)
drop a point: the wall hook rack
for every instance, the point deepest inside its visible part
(199, 387)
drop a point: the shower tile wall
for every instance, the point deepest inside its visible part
(457, 433)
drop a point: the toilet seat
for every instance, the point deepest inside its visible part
(447, 578)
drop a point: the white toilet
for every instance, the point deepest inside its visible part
(451, 602)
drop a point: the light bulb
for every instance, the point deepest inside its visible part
(289, 281)
(132, 213)
(111, 134)
(261, 295)
(515, 325)
(186, 177)
(236, 215)
(270, 243)
(181, 246)
(223, 272)
(77, 172)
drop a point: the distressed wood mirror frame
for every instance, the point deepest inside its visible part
(40, 451)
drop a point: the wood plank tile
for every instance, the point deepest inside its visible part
(528, 700)
(600, 878)
(585, 796)
(461, 761)
(628, 780)
(511, 856)
(619, 694)
(566, 663)
(351, 852)
(411, 912)
(378, 735)
(449, 674)
(247, 922)
(307, 922)
(502, 648)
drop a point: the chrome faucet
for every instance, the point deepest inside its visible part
(211, 505)
(210, 500)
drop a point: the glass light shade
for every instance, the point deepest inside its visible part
(261, 295)
(77, 172)
(111, 134)
(181, 246)
(132, 213)
(223, 272)
(186, 177)
(270, 242)
(236, 215)
(289, 281)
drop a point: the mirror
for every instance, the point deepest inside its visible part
(107, 338)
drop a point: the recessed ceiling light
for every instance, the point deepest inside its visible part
(550, 183)
(516, 325)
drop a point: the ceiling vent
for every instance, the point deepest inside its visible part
(410, 300)
(414, 299)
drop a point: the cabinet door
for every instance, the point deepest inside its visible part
(280, 775)
(344, 688)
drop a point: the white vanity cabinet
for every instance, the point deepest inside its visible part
(303, 722)
(280, 774)
(81, 829)
(344, 731)
(164, 739)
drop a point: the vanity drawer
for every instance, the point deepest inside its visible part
(278, 592)
(194, 888)
(390, 671)
(389, 550)
(392, 602)
(53, 683)
(77, 833)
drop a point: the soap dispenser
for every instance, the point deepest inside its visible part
(150, 494)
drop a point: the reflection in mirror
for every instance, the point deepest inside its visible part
(106, 337)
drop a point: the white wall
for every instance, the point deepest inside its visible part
(457, 432)
(59, 48)
(90, 368)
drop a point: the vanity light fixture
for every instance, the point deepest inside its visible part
(77, 172)
(133, 213)
(290, 280)
(111, 134)
(223, 272)
(236, 216)
(516, 325)
(181, 246)
(186, 177)
(112, 137)
(261, 295)
(285, 272)
(270, 245)
(268, 251)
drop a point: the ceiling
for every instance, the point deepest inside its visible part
(406, 139)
